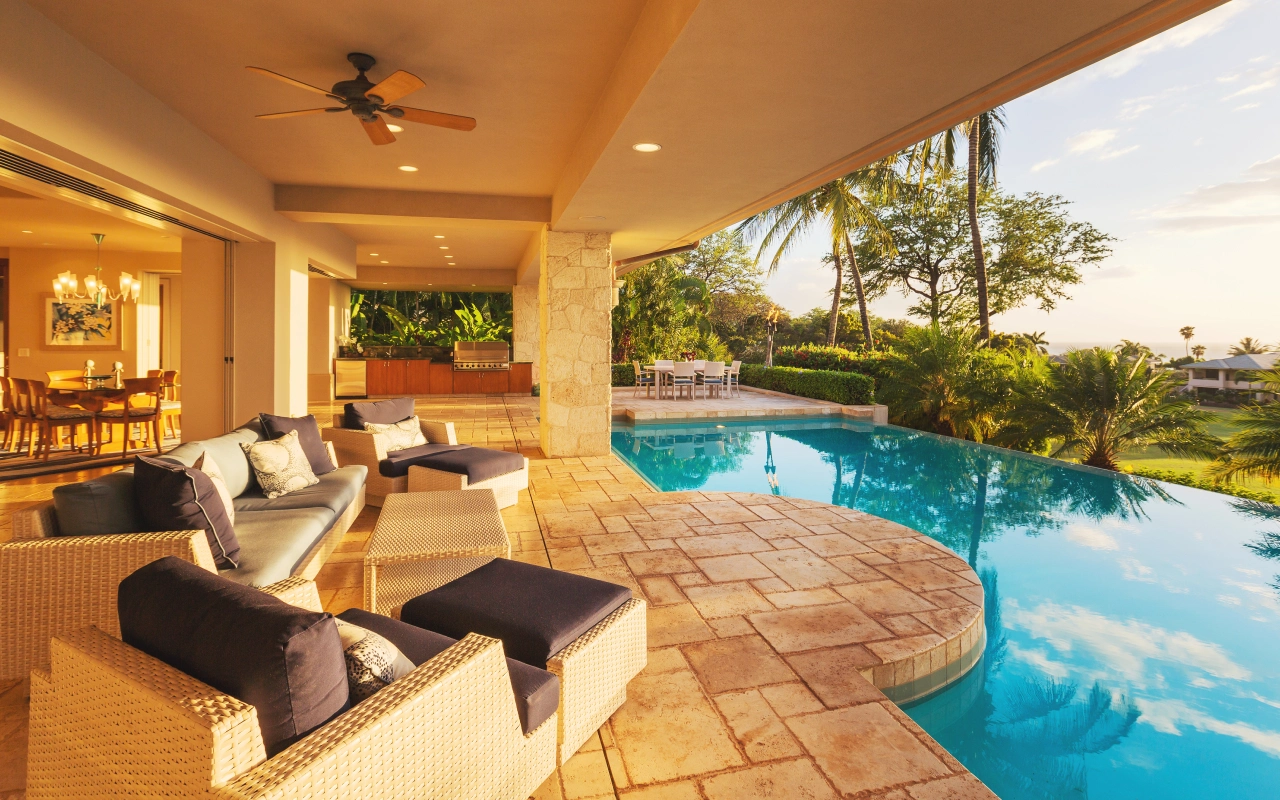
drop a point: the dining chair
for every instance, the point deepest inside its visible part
(645, 378)
(141, 406)
(733, 376)
(50, 418)
(713, 377)
(683, 375)
(170, 403)
(663, 368)
(24, 420)
(7, 410)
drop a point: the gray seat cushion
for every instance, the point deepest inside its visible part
(102, 505)
(383, 412)
(225, 450)
(537, 691)
(477, 463)
(335, 491)
(273, 544)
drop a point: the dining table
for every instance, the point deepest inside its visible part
(75, 394)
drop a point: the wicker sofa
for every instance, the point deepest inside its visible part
(52, 583)
(109, 721)
(370, 450)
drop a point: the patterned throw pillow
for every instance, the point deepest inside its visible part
(400, 435)
(280, 465)
(208, 466)
(372, 661)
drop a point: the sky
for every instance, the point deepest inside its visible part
(1171, 146)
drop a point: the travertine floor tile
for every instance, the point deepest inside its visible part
(756, 727)
(743, 662)
(679, 624)
(726, 600)
(789, 779)
(813, 627)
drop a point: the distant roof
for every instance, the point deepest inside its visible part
(1252, 361)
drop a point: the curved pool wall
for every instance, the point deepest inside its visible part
(1133, 626)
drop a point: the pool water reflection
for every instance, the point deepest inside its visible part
(1133, 627)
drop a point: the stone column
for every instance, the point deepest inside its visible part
(575, 299)
(524, 326)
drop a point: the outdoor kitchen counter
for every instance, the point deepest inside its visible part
(389, 377)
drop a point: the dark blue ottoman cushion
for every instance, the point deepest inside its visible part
(535, 611)
(537, 691)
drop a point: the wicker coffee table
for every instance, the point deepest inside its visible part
(423, 540)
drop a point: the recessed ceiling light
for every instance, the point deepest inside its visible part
(385, 262)
(438, 236)
(375, 255)
(444, 247)
(407, 168)
(452, 264)
(646, 147)
(473, 284)
(592, 218)
(394, 128)
(26, 231)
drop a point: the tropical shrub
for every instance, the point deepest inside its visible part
(1196, 482)
(848, 388)
(624, 375)
(835, 359)
(1255, 449)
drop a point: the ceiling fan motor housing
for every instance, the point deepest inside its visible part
(353, 91)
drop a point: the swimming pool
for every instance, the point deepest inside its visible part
(1133, 627)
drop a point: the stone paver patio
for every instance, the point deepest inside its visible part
(771, 623)
(637, 407)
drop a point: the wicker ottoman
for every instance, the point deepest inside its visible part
(505, 487)
(425, 539)
(513, 602)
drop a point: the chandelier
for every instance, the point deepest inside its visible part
(67, 286)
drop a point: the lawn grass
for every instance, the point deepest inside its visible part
(1152, 458)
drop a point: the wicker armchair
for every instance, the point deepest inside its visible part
(110, 721)
(369, 449)
(51, 584)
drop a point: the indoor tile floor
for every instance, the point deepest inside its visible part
(764, 616)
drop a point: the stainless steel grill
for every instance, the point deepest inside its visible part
(481, 355)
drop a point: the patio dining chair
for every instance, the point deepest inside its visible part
(50, 418)
(684, 376)
(713, 377)
(141, 406)
(644, 378)
(732, 377)
(663, 368)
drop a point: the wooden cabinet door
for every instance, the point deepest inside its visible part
(466, 383)
(521, 378)
(494, 381)
(397, 376)
(419, 377)
(375, 377)
(442, 378)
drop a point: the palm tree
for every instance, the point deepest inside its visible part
(1097, 405)
(1248, 346)
(938, 154)
(1254, 450)
(1198, 351)
(1187, 332)
(840, 207)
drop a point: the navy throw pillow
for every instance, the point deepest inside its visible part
(173, 497)
(308, 429)
(285, 661)
(383, 412)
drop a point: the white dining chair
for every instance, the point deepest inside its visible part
(713, 377)
(683, 375)
(644, 378)
(663, 368)
(732, 377)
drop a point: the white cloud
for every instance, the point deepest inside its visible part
(1246, 106)
(1135, 570)
(1252, 200)
(1167, 715)
(1123, 648)
(1184, 35)
(1090, 140)
(1266, 80)
(1110, 154)
(1048, 162)
(1132, 109)
(1088, 536)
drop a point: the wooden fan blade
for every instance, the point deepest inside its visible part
(436, 118)
(396, 85)
(290, 81)
(378, 132)
(302, 113)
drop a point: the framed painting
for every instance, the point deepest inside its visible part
(81, 324)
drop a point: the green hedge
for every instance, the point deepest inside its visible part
(1196, 482)
(848, 388)
(835, 359)
(624, 375)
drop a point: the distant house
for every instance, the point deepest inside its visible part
(1224, 373)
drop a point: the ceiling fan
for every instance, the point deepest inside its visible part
(370, 102)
